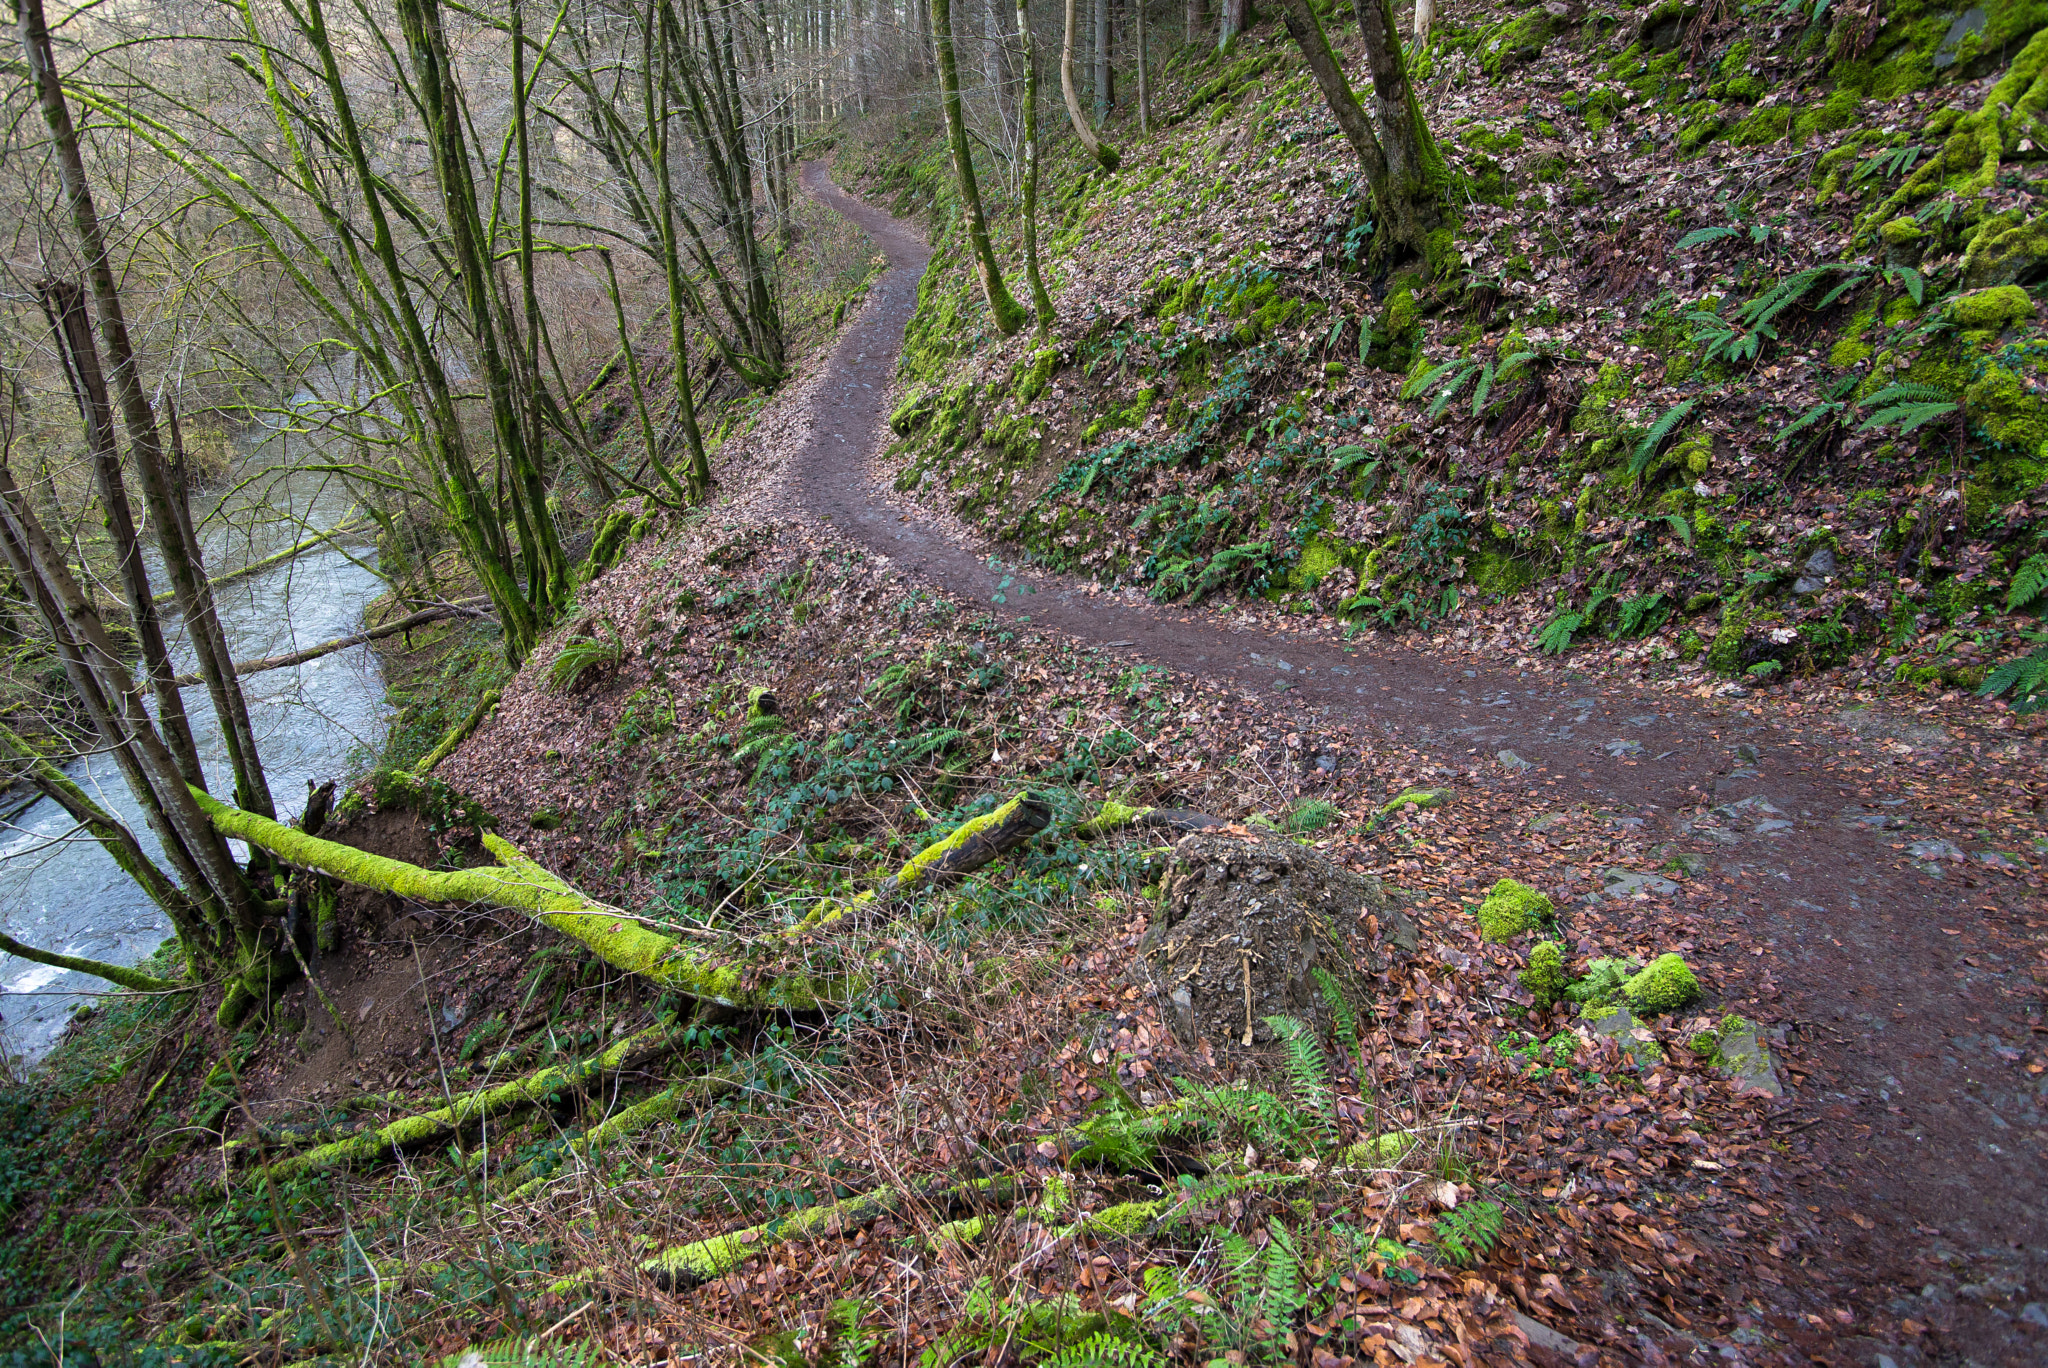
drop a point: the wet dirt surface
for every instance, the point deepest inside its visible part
(1924, 1175)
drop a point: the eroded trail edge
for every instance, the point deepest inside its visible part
(1926, 1148)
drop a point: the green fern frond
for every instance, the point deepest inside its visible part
(1342, 1017)
(519, 1353)
(2026, 677)
(1308, 1071)
(1905, 392)
(1906, 417)
(1556, 636)
(1281, 1296)
(2029, 583)
(1423, 383)
(1701, 236)
(580, 655)
(1680, 527)
(1465, 1233)
(1104, 1350)
(1646, 449)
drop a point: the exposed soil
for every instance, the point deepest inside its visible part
(1917, 1148)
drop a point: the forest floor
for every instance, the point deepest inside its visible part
(1857, 870)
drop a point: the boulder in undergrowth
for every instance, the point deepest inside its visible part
(1248, 920)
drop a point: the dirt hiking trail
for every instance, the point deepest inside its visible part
(1927, 1152)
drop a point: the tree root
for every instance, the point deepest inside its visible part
(373, 1146)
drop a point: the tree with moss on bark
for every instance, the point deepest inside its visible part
(1406, 176)
(1009, 314)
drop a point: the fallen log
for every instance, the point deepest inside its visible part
(257, 567)
(518, 884)
(375, 1146)
(975, 843)
(327, 648)
(1116, 816)
(457, 734)
(134, 980)
(665, 1105)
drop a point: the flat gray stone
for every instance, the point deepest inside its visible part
(1546, 822)
(1935, 848)
(1771, 824)
(1623, 883)
(1543, 1337)
(1509, 760)
(1746, 1060)
(1622, 1026)
(2033, 1313)
(1619, 747)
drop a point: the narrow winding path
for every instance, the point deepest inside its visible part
(1930, 1147)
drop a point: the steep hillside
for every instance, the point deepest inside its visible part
(1743, 367)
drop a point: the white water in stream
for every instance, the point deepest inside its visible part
(59, 890)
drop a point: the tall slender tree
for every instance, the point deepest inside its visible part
(1041, 302)
(1105, 156)
(1008, 314)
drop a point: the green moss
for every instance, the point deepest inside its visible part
(2004, 251)
(1032, 375)
(1493, 572)
(1518, 41)
(1925, 41)
(1512, 908)
(1319, 559)
(1015, 439)
(1993, 310)
(1835, 113)
(1545, 977)
(1421, 798)
(1699, 133)
(1724, 656)
(1665, 985)
(1763, 127)
(1975, 145)
(1127, 1219)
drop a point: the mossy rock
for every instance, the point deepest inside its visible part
(1666, 984)
(1033, 374)
(1925, 41)
(1990, 310)
(1512, 908)
(1545, 977)
(2006, 254)
(1520, 40)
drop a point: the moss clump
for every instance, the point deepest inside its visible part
(1519, 40)
(1665, 985)
(1512, 908)
(1990, 311)
(1034, 374)
(2005, 251)
(1319, 560)
(1977, 142)
(910, 413)
(1724, 655)
(1421, 798)
(1545, 977)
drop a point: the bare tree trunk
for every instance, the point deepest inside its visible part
(1308, 35)
(1233, 17)
(1425, 14)
(1105, 155)
(1144, 76)
(1194, 20)
(1008, 314)
(1105, 78)
(1041, 302)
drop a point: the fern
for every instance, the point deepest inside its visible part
(2027, 679)
(518, 1353)
(1646, 450)
(1423, 383)
(1906, 405)
(1465, 1233)
(1680, 528)
(1825, 409)
(582, 654)
(1640, 616)
(1281, 1294)
(1308, 1075)
(1699, 237)
(2029, 583)
(1104, 1350)
(1341, 1016)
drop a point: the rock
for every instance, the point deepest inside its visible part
(1819, 569)
(1421, 798)
(1509, 760)
(1935, 848)
(1619, 748)
(1990, 311)
(1543, 1337)
(1512, 908)
(1737, 1050)
(1622, 1026)
(1622, 883)
(1282, 909)
(1546, 822)
(2033, 1313)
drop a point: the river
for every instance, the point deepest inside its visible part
(60, 891)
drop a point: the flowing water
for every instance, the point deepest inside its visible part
(59, 890)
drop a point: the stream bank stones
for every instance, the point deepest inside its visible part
(1247, 920)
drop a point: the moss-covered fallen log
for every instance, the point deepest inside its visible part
(457, 734)
(327, 648)
(374, 1146)
(132, 979)
(665, 1105)
(972, 845)
(1117, 816)
(688, 1265)
(519, 884)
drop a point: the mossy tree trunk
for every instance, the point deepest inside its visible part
(1412, 194)
(1041, 302)
(1009, 315)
